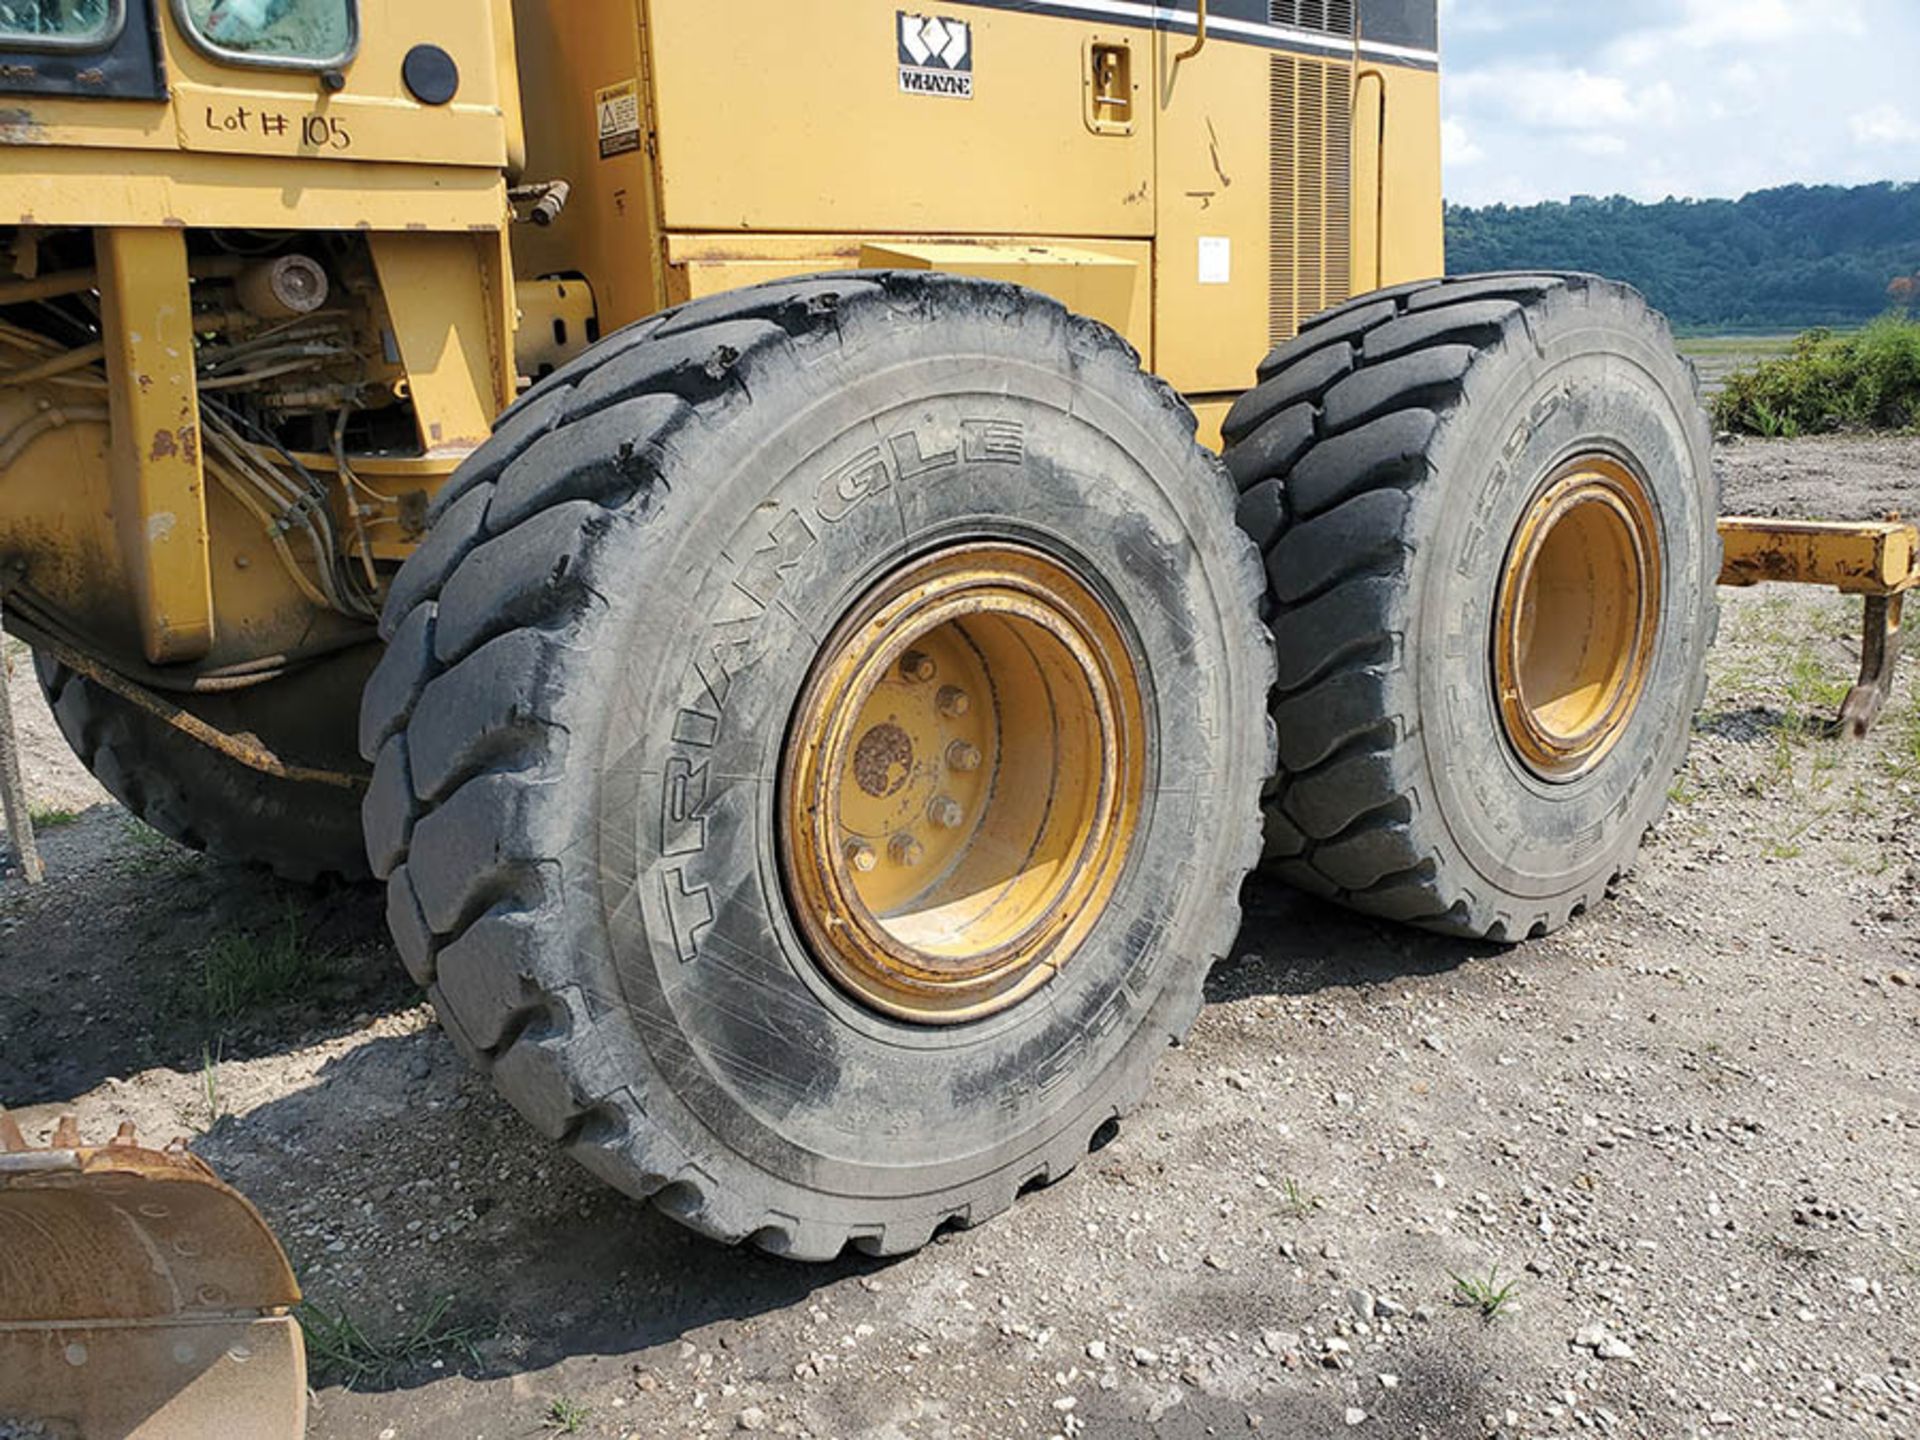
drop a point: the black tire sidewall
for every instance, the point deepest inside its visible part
(739, 1035)
(1598, 383)
(198, 797)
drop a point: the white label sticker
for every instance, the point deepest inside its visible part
(618, 109)
(1216, 260)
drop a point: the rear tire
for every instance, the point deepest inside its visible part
(1387, 461)
(204, 800)
(578, 735)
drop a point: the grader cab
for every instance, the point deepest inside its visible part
(716, 507)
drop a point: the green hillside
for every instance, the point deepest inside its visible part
(1775, 260)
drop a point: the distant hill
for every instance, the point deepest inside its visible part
(1781, 259)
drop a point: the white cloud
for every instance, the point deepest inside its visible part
(1457, 147)
(1736, 24)
(1884, 125)
(1554, 99)
(1686, 97)
(1600, 145)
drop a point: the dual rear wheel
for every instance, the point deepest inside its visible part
(821, 740)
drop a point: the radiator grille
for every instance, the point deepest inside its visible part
(1328, 17)
(1312, 191)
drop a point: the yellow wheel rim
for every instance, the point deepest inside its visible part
(1578, 613)
(962, 783)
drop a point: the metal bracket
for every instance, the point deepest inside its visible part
(1878, 560)
(1879, 653)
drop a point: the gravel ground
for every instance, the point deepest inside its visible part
(1686, 1132)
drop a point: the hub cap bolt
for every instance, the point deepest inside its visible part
(963, 757)
(917, 666)
(861, 857)
(953, 702)
(906, 850)
(945, 812)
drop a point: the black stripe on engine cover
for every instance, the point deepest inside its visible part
(1412, 23)
(1251, 12)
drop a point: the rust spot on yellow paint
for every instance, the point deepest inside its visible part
(190, 444)
(164, 446)
(20, 127)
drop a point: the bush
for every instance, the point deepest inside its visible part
(1869, 380)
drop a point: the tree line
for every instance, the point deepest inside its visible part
(1782, 259)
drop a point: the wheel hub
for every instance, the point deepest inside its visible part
(1578, 613)
(962, 783)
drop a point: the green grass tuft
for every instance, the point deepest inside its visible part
(1488, 1296)
(242, 971)
(210, 1057)
(1296, 1200)
(344, 1354)
(1868, 380)
(564, 1416)
(52, 819)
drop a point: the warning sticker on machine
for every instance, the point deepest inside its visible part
(936, 56)
(619, 108)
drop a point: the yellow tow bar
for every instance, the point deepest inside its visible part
(1879, 560)
(140, 1297)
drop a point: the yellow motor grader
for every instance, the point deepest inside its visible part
(768, 527)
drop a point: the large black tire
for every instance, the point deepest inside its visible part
(1385, 460)
(204, 800)
(578, 731)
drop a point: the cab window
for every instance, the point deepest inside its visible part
(302, 33)
(61, 24)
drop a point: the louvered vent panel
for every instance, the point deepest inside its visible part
(1328, 17)
(1312, 189)
(1283, 297)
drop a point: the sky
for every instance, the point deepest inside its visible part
(1545, 99)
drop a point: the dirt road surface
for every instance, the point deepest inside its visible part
(1685, 1133)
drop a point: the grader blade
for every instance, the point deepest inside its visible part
(139, 1297)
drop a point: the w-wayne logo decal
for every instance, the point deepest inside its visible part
(936, 56)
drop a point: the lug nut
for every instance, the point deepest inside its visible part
(917, 666)
(945, 812)
(906, 850)
(962, 757)
(953, 702)
(861, 857)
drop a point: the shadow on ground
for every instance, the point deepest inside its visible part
(102, 971)
(398, 1180)
(1294, 944)
(1758, 724)
(399, 1183)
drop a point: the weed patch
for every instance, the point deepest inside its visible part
(1296, 1200)
(149, 851)
(343, 1353)
(1487, 1294)
(242, 971)
(210, 1057)
(1869, 380)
